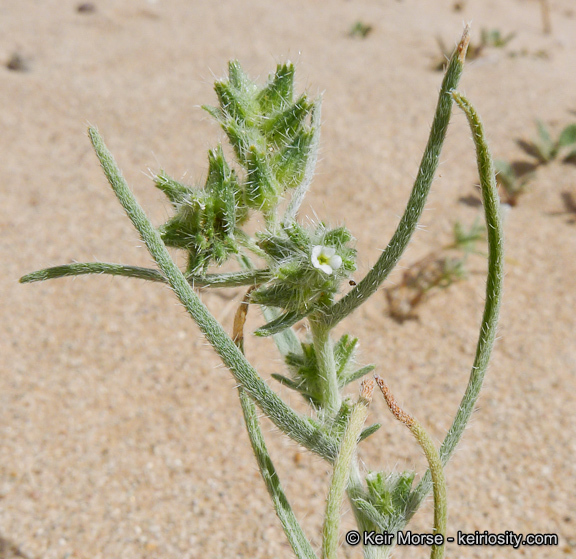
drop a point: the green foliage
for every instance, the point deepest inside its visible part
(205, 219)
(513, 183)
(389, 493)
(494, 38)
(437, 270)
(360, 30)
(271, 133)
(274, 138)
(546, 149)
(306, 376)
(299, 285)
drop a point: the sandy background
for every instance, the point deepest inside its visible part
(121, 436)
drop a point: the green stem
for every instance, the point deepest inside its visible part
(298, 540)
(232, 279)
(494, 283)
(324, 349)
(295, 426)
(434, 463)
(341, 473)
(397, 245)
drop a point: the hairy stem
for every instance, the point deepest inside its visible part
(324, 349)
(494, 283)
(397, 245)
(294, 533)
(296, 427)
(436, 469)
(231, 279)
(341, 471)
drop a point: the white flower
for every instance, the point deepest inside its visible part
(325, 259)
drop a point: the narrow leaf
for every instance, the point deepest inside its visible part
(356, 375)
(494, 283)
(279, 324)
(371, 513)
(175, 191)
(429, 163)
(298, 540)
(370, 430)
(285, 381)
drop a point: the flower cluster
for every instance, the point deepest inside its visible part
(308, 266)
(274, 138)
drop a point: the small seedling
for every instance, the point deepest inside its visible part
(544, 149)
(437, 270)
(360, 30)
(513, 179)
(494, 38)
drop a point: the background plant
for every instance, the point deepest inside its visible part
(515, 177)
(546, 149)
(437, 270)
(294, 272)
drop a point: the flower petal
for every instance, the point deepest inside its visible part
(326, 268)
(335, 262)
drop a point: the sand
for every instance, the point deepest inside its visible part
(121, 433)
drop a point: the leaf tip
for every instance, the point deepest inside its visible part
(464, 42)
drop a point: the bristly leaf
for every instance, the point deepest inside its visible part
(291, 161)
(279, 324)
(174, 190)
(223, 187)
(205, 219)
(236, 95)
(300, 544)
(283, 127)
(262, 189)
(369, 431)
(356, 375)
(286, 381)
(344, 350)
(273, 136)
(278, 93)
(389, 493)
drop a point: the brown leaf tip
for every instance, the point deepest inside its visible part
(463, 44)
(366, 390)
(396, 410)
